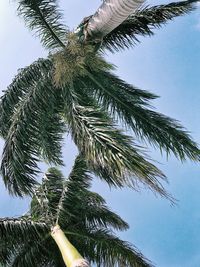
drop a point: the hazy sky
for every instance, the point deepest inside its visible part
(167, 64)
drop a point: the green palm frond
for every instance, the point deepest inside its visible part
(79, 176)
(52, 130)
(105, 249)
(26, 241)
(74, 88)
(20, 86)
(44, 17)
(108, 152)
(7, 249)
(46, 198)
(143, 22)
(78, 180)
(56, 196)
(23, 143)
(97, 213)
(71, 198)
(30, 254)
(132, 109)
(20, 228)
(94, 83)
(91, 209)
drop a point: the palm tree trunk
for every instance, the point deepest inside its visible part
(110, 15)
(70, 254)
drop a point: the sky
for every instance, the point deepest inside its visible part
(167, 64)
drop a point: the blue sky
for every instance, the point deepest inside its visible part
(168, 65)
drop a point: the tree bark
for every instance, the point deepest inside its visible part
(110, 15)
(71, 256)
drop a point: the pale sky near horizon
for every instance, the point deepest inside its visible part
(167, 64)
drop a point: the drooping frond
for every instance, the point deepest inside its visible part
(23, 143)
(31, 251)
(44, 17)
(50, 141)
(108, 152)
(143, 22)
(29, 254)
(125, 103)
(5, 253)
(135, 94)
(27, 242)
(43, 253)
(19, 87)
(90, 208)
(105, 249)
(20, 229)
(32, 254)
(95, 212)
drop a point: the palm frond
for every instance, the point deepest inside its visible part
(19, 87)
(5, 253)
(32, 253)
(95, 213)
(77, 181)
(23, 143)
(79, 176)
(143, 22)
(108, 152)
(25, 242)
(47, 196)
(90, 208)
(44, 17)
(50, 141)
(61, 201)
(125, 103)
(103, 216)
(21, 228)
(28, 255)
(105, 249)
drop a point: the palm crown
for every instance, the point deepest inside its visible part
(82, 215)
(74, 90)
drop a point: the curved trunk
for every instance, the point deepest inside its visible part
(70, 254)
(110, 15)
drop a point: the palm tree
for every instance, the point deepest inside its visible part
(85, 220)
(74, 90)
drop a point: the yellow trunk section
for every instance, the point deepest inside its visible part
(70, 254)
